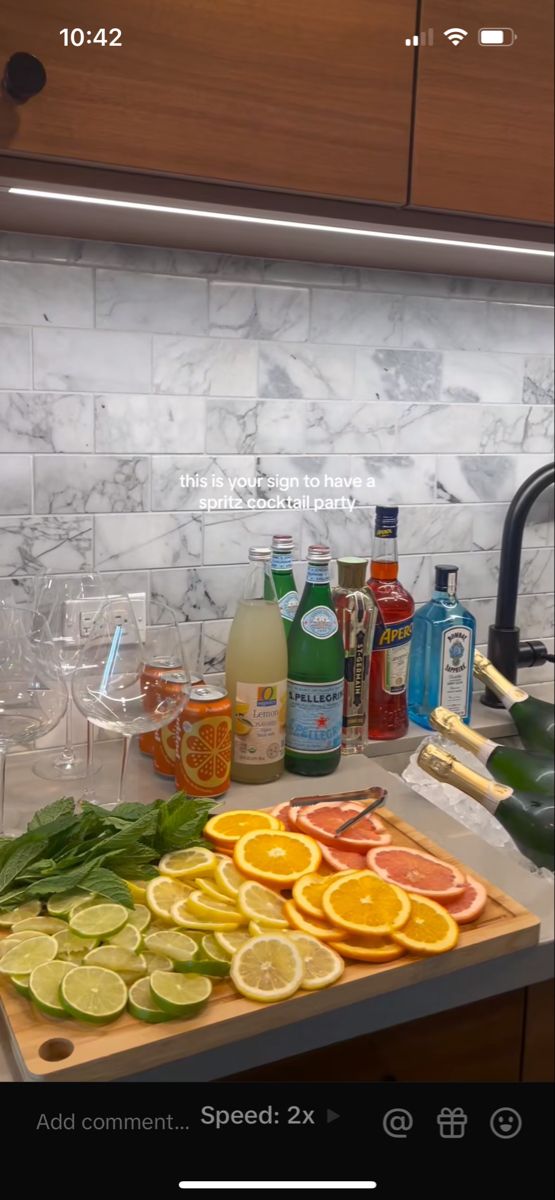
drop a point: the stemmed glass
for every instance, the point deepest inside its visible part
(33, 694)
(69, 604)
(113, 683)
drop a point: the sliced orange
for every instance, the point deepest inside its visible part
(277, 858)
(308, 892)
(430, 929)
(319, 929)
(365, 904)
(227, 827)
(368, 949)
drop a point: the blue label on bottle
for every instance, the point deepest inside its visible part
(318, 573)
(314, 716)
(282, 562)
(288, 605)
(395, 634)
(320, 622)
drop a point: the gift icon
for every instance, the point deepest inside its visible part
(452, 1123)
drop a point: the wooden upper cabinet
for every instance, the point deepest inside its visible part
(308, 96)
(483, 138)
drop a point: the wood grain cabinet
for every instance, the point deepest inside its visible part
(308, 96)
(483, 139)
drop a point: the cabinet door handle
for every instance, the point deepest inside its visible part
(24, 77)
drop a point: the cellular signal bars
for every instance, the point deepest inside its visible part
(421, 39)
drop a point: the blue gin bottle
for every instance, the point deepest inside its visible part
(442, 653)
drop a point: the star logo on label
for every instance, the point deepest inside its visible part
(322, 722)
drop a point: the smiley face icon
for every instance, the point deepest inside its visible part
(505, 1123)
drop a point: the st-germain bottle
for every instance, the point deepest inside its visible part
(284, 580)
(442, 652)
(356, 613)
(315, 682)
(507, 764)
(387, 707)
(534, 719)
(528, 819)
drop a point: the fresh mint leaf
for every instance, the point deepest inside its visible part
(20, 858)
(181, 822)
(59, 808)
(110, 886)
(130, 811)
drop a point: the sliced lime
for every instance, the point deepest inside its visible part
(21, 984)
(230, 943)
(180, 995)
(93, 994)
(157, 962)
(86, 901)
(39, 925)
(99, 920)
(128, 938)
(204, 966)
(140, 917)
(71, 947)
(63, 903)
(25, 956)
(142, 1005)
(44, 986)
(211, 949)
(177, 946)
(31, 908)
(13, 938)
(116, 958)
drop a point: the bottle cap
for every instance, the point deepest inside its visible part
(446, 578)
(386, 521)
(351, 572)
(319, 554)
(282, 543)
(259, 553)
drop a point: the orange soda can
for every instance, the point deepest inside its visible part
(169, 684)
(203, 761)
(150, 678)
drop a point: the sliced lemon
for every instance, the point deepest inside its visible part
(209, 909)
(255, 929)
(162, 893)
(30, 909)
(174, 945)
(231, 942)
(180, 995)
(39, 925)
(138, 887)
(321, 965)
(140, 916)
(210, 889)
(142, 1005)
(183, 916)
(267, 968)
(128, 938)
(228, 878)
(115, 958)
(93, 994)
(63, 903)
(98, 920)
(44, 987)
(259, 903)
(183, 864)
(25, 956)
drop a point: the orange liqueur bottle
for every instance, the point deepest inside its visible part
(387, 711)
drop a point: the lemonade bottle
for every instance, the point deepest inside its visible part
(256, 677)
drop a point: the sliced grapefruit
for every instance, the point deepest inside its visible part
(416, 872)
(323, 820)
(283, 813)
(342, 860)
(469, 904)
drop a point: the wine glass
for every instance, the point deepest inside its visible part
(69, 604)
(113, 686)
(33, 694)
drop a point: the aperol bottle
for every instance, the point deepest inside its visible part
(387, 709)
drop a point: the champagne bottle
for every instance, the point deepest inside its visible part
(534, 719)
(315, 678)
(528, 819)
(532, 773)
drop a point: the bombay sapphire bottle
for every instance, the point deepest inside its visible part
(442, 653)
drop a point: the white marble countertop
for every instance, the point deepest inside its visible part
(25, 793)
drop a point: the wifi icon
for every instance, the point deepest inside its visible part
(455, 36)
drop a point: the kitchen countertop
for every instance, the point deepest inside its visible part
(25, 793)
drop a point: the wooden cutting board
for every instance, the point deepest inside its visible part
(58, 1050)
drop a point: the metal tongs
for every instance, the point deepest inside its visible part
(377, 794)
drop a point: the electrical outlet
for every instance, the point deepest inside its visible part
(80, 614)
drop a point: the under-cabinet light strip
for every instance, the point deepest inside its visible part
(275, 222)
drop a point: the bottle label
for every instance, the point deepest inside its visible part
(318, 573)
(282, 562)
(259, 725)
(288, 605)
(456, 647)
(357, 665)
(314, 716)
(393, 641)
(320, 622)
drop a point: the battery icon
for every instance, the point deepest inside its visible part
(496, 37)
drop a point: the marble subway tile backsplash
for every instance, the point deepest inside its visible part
(128, 374)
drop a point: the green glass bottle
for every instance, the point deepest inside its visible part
(528, 819)
(284, 579)
(315, 676)
(534, 719)
(530, 772)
